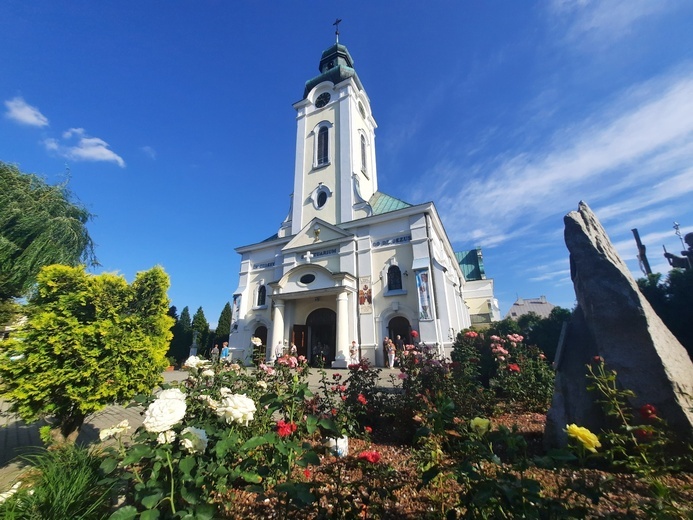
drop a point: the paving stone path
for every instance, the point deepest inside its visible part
(18, 438)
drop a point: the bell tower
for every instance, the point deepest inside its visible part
(335, 170)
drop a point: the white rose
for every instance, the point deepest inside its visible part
(196, 362)
(207, 373)
(162, 414)
(210, 402)
(166, 437)
(198, 441)
(262, 384)
(237, 408)
(171, 393)
(121, 427)
(225, 392)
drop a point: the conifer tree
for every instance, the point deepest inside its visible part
(182, 337)
(201, 325)
(224, 325)
(90, 340)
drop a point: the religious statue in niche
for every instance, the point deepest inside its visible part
(365, 296)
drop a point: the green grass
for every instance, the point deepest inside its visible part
(65, 484)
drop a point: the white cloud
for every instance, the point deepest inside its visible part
(636, 149)
(18, 110)
(87, 148)
(597, 21)
(149, 152)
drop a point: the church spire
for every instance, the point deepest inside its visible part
(336, 31)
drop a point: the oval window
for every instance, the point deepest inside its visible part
(322, 198)
(307, 278)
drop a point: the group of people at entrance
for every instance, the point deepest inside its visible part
(224, 353)
(391, 348)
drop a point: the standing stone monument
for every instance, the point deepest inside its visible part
(615, 321)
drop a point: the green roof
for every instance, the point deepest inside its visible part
(382, 203)
(472, 264)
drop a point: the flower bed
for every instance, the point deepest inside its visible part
(461, 438)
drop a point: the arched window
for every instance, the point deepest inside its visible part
(261, 296)
(323, 157)
(394, 278)
(363, 153)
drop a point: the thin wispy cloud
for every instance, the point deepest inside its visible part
(647, 124)
(149, 152)
(603, 21)
(87, 148)
(21, 112)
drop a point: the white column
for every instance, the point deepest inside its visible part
(343, 342)
(277, 330)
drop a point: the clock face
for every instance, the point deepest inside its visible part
(323, 99)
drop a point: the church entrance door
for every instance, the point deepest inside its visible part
(322, 336)
(259, 352)
(299, 337)
(400, 326)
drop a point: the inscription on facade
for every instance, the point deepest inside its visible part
(392, 241)
(324, 252)
(264, 265)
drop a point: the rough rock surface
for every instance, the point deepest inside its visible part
(615, 321)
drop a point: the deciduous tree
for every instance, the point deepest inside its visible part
(90, 340)
(40, 225)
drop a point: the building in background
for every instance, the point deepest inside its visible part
(349, 262)
(538, 306)
(478, 292)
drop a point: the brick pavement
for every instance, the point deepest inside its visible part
(18, 438)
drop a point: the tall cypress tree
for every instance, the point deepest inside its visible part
(201, 325)
(182, 336)
(224, 325)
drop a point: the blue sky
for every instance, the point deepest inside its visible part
(175, 122)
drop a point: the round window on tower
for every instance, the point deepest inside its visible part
(320, 195)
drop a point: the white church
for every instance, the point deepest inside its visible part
(350, 263)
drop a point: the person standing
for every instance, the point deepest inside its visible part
(354, 353)
(225, 351)
(215, 353)
(391, 349)
(399, 343)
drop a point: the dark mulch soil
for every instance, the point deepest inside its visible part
(348, 488)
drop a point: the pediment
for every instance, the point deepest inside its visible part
(329, 234)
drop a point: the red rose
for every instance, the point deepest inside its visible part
(414, 334)
(306, 473)
(368, 429)
(370, 456)
(285, 429)
(514, 367)
(648, 412)
(643, 435)
(361, 399)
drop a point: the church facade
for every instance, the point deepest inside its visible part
(350, 264)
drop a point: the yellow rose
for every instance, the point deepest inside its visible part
(480, 426)
(588, 439)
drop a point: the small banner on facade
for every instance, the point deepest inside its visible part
(365, 296)
(424, 295)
